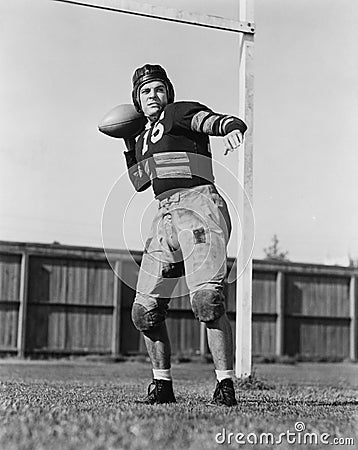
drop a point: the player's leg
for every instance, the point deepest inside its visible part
(149, 312)
(148, 315)
(206, 228)
(221, 346)
(220, 343)
(158, 347)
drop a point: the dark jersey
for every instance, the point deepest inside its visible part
(174, 152)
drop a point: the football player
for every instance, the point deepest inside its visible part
(191, 229)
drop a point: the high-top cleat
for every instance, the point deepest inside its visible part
(224, 393)
(160, 391)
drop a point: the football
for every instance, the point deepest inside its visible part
(123, 121)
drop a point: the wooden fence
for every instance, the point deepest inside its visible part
(66, 300)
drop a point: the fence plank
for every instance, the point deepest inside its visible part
(21, 329)
(280, 313)
(117, 297)
(203, 346)
(353, 318)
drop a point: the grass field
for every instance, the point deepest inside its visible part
(70, 405)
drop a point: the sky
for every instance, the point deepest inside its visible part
(64, 66)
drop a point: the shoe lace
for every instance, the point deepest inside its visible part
(154, 387)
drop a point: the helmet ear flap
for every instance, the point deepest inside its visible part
(170, 91)
(135, 101)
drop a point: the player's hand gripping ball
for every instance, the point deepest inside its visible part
(123, 121)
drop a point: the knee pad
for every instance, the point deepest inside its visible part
(145, 319)
(208, 305)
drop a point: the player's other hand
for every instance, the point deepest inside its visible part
(233, 140)
(130, 144)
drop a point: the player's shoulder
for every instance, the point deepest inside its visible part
(184, 106)
(182, 113)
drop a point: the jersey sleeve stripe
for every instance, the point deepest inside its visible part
(198, 120)
(209, 123)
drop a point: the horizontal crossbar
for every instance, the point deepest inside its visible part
(167, 14)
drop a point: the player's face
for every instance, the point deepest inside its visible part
(153, 98)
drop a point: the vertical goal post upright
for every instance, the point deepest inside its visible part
(245, 28)
(243, 344)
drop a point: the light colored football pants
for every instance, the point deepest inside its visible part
(188, 237)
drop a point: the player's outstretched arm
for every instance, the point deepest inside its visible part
(201, 119)
(230, 127)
